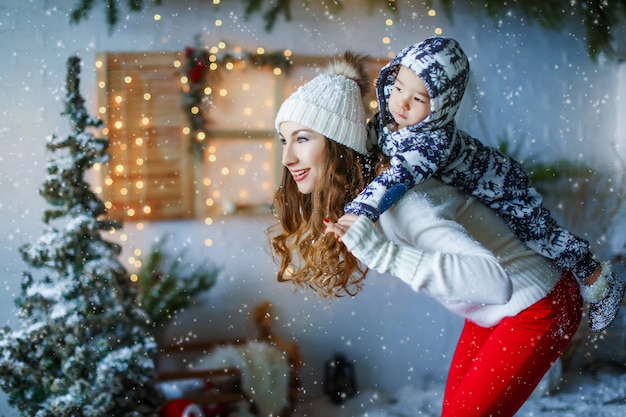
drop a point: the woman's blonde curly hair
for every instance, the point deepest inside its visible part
(306, 257)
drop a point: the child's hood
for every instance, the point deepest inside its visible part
(444, 68)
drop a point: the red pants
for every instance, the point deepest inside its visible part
(494, 370)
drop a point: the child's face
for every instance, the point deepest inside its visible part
(303, 153)
(409, 102)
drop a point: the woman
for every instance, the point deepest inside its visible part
(520, 310)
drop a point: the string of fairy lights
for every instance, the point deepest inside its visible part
(202, 70)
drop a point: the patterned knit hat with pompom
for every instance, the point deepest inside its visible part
(331, 104)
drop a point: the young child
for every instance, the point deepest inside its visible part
(419, 93)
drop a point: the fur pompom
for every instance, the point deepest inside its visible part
(352, 65)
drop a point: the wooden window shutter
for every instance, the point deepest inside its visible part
(150, 174)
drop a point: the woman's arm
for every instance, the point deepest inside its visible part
(456, 269)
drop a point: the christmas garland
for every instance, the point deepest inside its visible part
(202, 69)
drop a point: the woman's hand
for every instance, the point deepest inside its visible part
(341, 227)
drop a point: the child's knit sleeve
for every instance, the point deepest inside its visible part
(444, 275)
(412, 162)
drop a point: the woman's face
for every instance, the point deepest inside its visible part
(303, 150)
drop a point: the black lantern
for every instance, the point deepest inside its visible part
(339, 379)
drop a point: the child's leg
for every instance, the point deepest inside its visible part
(496, 378)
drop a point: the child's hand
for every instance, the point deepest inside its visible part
(341, 227)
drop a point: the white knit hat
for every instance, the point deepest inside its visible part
(329, 104)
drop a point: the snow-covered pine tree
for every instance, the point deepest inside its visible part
(84, 347)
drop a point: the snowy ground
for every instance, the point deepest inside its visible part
(600, 395)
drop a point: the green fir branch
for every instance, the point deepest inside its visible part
(599, 17)
(164, 289)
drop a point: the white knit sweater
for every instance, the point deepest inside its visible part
(457, 250)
